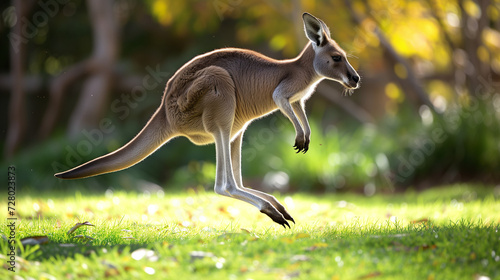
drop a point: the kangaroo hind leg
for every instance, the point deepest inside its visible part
(225, 182)
(219, 105)
(236, 162)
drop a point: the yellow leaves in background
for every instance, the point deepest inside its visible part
(395, 95)
(416, 36)
(278, 42)
(409, 27)
(400, 71)
(309, 5)
(369, 36)
(160, 9)
(472, 9)
(394, 92)
(493, 12)
(483, 54)
(440, 89)
(491, 39)
(173, 14)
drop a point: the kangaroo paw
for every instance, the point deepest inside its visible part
(283, 211)
(301, 146)
(275, 215)
(271, 199)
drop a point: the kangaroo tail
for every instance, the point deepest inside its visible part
(152, 136)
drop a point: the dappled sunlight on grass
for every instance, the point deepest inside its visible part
(448, 232)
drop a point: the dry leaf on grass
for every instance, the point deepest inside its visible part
(146, 254)
(35, 240)
(198, 255)
(420, 221)
(78, 225)
(111, 269)
(371, 275)
(317, 246)
(81, 236)
(400, 247)
(302, 235)
(128, 237)
(299, 258)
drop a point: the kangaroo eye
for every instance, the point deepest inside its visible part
(336, 58)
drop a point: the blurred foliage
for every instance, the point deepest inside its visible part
(367, 158)
(344, 153)
(462, 144)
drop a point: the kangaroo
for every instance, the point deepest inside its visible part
(215, 96)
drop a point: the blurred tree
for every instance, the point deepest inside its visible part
(17, 105)
(94, 96)
(98, 70)
(408, 52)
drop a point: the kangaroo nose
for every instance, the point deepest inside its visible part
(355, 78)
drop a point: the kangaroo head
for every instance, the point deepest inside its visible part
(330, 60)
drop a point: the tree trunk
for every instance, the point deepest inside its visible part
(472, 40)
(92, 102)
(17, 107)
(58, 87)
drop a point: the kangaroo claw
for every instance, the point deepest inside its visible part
(276, 216)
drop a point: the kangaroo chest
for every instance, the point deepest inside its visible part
(305, 93)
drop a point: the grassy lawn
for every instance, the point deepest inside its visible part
(444, 233)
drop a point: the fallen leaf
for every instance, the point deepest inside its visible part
(293, 275)
(198, 255)
(143, 253)
(371, 275)
(299, 258)
(288, 240)
(35, 240)
(186, 224)
(420, 221)
(427, 247)
(229, 235)
(111, 270)
(149, 270)
(253, 234)
(208, 229)
(84, 237)
(77, 225)
(400, 247)
(237, 235)
(302, 235)
(317, 246)
(69, 245)
(398, 235)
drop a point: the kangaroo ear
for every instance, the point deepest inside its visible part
(316, 30)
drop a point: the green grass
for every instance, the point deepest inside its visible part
(444, 233)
